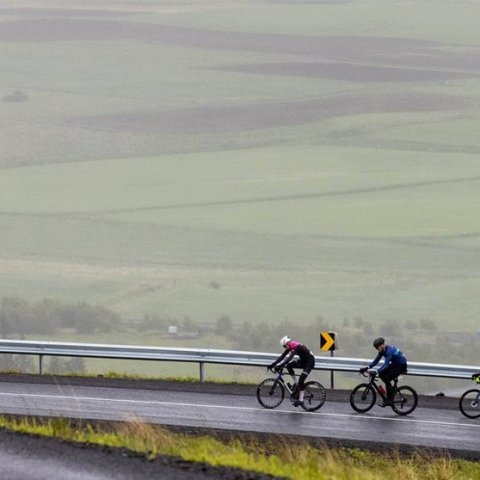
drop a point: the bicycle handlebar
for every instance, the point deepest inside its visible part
(275, 369)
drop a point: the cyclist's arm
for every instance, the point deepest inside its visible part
(289, 355)
(376, 360)
(388, 358)
(279, 359)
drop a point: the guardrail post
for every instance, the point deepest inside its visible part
(202, 372)
(332, 373)
(40, 364)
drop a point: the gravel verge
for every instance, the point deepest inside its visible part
(26, 456)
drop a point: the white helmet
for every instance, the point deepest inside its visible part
(284, 341)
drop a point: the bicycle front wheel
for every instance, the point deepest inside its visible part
(270, 393)
(362, 398)
(314, 397)
(405, 400)
(470, 403)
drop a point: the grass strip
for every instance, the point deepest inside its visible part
(278, 456)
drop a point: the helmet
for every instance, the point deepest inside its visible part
(284, 340)
(378, 341)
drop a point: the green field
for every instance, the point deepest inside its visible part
(306, 158)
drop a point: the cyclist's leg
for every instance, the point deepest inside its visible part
(290, 369)
(389, 374)
(307, 368)
(296, 385)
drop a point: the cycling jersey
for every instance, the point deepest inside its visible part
(293, 348)
(393, 356)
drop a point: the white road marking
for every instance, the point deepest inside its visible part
(226, 407)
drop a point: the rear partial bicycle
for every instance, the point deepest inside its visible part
(470, 401)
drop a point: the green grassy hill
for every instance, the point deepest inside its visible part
(305, 158)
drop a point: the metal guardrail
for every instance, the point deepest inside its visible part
(203, 356)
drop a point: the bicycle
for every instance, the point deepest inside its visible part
(271, 393)
(470, 401)
(364, 395)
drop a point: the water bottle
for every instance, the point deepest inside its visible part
(382, 389)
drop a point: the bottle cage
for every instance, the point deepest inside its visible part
(476, 379)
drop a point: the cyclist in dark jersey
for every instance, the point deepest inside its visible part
(395, 364)
(306, 362)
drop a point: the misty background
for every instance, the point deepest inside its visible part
(240, 170)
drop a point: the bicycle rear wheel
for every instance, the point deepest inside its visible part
(314, 397)
(470, 403)
(405, 400)
(270, 393)
(363, 397)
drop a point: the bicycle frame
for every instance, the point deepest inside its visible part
(373, 383)
(279, 378)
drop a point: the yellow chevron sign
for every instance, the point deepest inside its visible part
(327, 341)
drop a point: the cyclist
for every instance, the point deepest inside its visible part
(395, 364)
(306, 362)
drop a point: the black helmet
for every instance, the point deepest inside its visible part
(378, 341)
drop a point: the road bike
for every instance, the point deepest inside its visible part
(271, 392)
(470, 401)
(364, 395)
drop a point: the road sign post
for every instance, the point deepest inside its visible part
(328, 343)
